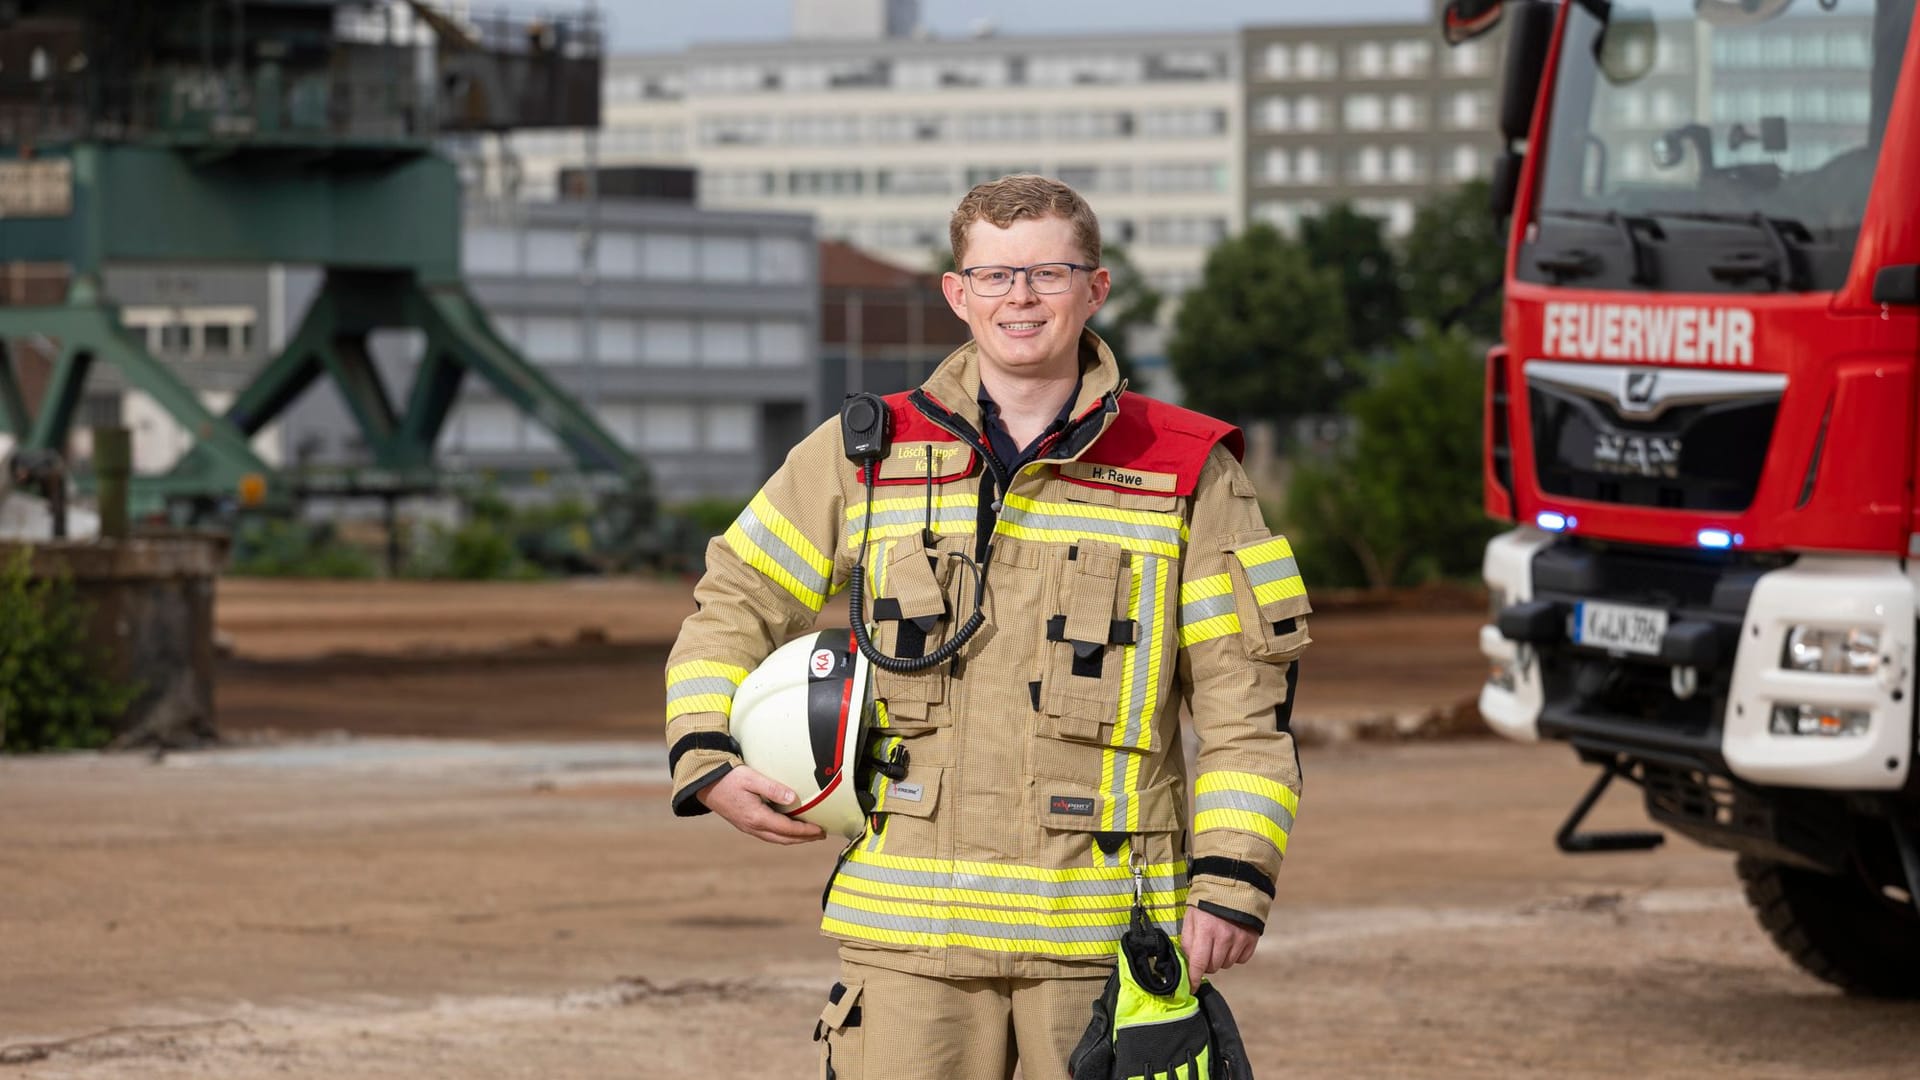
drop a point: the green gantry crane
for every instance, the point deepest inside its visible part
(275, 131)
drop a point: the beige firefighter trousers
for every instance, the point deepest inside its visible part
(889, 1025)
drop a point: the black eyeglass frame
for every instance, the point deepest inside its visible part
(1014, 273)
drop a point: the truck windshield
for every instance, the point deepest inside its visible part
(1696, 121)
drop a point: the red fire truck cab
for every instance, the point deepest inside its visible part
(1701, 421)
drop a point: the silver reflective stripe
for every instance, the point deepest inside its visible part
(1244, 800)
(1198, 611)
(942, 515)
(1088, 526)
(1053, 932)
(779, 552)
(687, 688)
(1120, 888)
(1278, 570)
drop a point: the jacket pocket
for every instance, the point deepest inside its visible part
(915, 795)
(841, 1032)
(1087, 637)
(1065, 806)
(1271, 598)
(912, 617)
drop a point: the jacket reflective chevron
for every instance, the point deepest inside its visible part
(1131, 573)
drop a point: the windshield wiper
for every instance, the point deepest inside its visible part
(1782, 271)
(1578, 262)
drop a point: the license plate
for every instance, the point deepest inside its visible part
(1622, 627)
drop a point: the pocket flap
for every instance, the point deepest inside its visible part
(1060, 804)
(1093, 583)
(912, 585)
(914, 796)
(842, 1002)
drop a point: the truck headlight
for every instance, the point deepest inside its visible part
(1797, 719)
(1854, 650)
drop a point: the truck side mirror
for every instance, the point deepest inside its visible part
(1463, 20)
(1626, 47)
(1527, 46)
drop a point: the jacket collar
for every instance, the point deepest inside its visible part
(955, 386)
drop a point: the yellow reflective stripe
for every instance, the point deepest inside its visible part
(1017, 872)
(953, 515)
(1283, 589)
(1206, 587)
(935, 895)
(1208, 629)
(1272, 549)
(1061, 934)
(1146, 532)
(915, 504)
(702, 686)
(1252, 783)
(752, 554)
(790, 534)
(705, 669)
(1244, 821)
(950, 940)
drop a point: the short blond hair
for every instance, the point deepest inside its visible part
(1024, 195)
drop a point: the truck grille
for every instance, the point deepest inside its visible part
(1620, 435)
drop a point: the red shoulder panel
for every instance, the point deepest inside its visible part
(1155, 437)
(909, 426)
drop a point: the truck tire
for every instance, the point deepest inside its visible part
(1836, 928)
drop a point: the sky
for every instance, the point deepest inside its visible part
(671, 25)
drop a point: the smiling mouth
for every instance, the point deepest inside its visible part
(1022, 325)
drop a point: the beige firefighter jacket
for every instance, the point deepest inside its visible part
(1048, 758)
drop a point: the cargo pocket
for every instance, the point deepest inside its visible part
(913, 617)
(1087, 639)
(1064, 806)
(840, 1035)
(1271, 598)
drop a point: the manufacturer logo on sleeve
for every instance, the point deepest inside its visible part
(1069, 804)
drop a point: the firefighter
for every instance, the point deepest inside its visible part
(1103, 556)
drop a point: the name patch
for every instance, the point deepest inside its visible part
(910, 461)
(1678, 335)
(1069, 804)
(1113, 476)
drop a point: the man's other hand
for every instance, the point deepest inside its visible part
(742, 797)
(1212, 944)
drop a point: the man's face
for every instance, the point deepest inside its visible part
(1024, 332)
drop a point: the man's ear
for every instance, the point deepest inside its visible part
(1100, 283)
(955, 291)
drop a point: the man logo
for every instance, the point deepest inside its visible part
(1640, 386)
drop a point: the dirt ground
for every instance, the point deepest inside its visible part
(519, 902)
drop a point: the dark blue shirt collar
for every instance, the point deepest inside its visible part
(1000, 441)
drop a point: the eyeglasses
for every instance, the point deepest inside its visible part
(1045, 278)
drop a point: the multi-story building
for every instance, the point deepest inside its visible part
(1379, 115)
(879, 138)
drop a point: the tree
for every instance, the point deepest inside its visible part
(1264, 336)
(1455, 250)
(1403, 494)
(1356, 245)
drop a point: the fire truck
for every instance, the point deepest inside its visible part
(1700, 421)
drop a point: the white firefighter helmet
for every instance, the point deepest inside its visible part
(799, 719)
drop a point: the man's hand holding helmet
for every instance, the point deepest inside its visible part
(747, 800)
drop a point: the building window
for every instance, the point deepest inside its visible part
(725, 184)
(1276, 61)
(666, 342)
(1097, 179)
(1191, 177)
(1090, 70)
(1368, 60)
(1183, 123)
(915, 180)
(616, 342)
(1277, 166)
(1403, 112)
(1362, 112)
(1002, 127)
(780, 343)
(825, 182)
(726, 343)
(1409, 59)
(782, 261)
(1186, 231)
(1470, 58)
(907, 127)
(1404, 165)
(732, 427)
(1309, 114)
(668, 426)
(1312, 61)
(1275, 113)
(1368, 165)
(552, 339)
(1093, 124)
(981, 174)
(552, 253)
(1466, 110)
(666, 257)
(1466, 162)
(1308, 166)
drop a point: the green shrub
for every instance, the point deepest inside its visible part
(708, 517)
(278, 547)
(51, 696)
